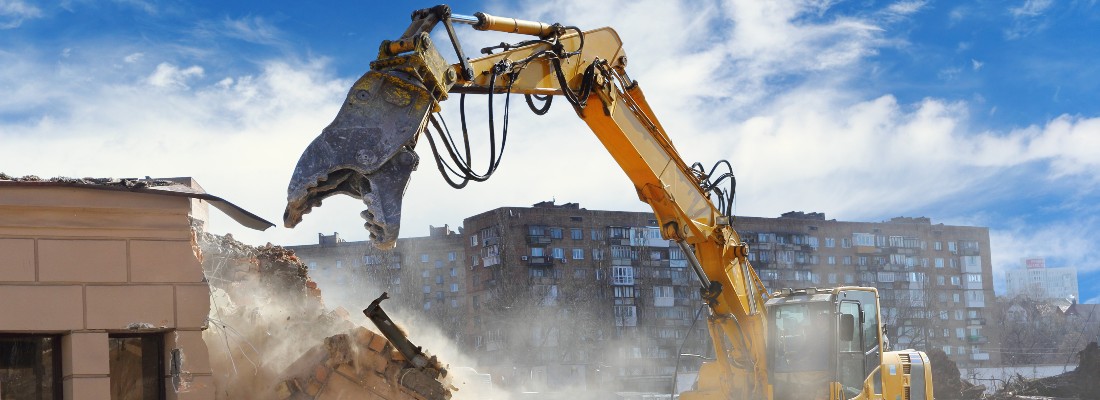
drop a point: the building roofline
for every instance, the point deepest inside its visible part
(171, 188)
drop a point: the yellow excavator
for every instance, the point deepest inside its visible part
(810, 343)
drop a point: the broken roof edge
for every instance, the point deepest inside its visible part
(166, 187)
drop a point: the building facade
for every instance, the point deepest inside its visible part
(104, 296)
(1038, 282)
(935, 281)
(557, 296)
(424, 277)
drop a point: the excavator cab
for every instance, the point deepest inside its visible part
(823, 343)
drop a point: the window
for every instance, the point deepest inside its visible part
(956, 281)
(439, 263)
(473, 240)
(596, 234)
(845, 243)
(940, 280)
(812, 241)
(537, 251)
(439, 279)
(624, 292)
(597, 254)
(339, 264)
(576, 234)
(938, 246)
(555, 233)
(952, 247)
(425, 274)
(454, 272)
(620, 252)
(847, 260)
(862, 260)
(427, 305)
(454, 287)
(536, 230)
(830, 242)
(558, 253)
(137, 360)
(451, 256)
(423, 258)
(454, 303)
(832, 260)
(578, 254)
(30, 364)
(863, 239)
(939, 263)
(579, 273)
(427, 288)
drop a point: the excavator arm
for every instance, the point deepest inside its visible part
(367, 152)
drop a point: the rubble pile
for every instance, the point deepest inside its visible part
(265, 312)
(129, 183)
(947, 382)
(359, 364)
(270, 335)
(1081, 383)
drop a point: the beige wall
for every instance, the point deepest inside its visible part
(85, 263)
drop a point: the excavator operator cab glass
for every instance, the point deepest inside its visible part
(847, 327)
(801, 337)
(800, 340)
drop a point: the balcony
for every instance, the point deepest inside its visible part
(677, 263)
(622, 280)
(979, 356)
(538, 240)
(618, 241)
(975, 321)
(538, 261)
(977, 339)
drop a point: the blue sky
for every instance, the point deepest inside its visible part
(968, 112)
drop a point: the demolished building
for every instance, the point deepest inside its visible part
(103, 290)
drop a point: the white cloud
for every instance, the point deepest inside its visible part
(1030, 8)
(976, 65)
(171, 76)
(906, 7)
(133, 57)
(251, 29)
(14, 12)
(757, 83)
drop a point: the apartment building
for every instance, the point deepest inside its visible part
(561, 296)
(1038, 282)
(558, 296)
(424, 276)
(935, 281)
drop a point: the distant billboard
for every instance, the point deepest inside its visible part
(1033, 263)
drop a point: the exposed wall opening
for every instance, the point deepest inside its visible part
(30, 367)
(137, 366)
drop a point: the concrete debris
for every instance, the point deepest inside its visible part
(270, 335)
(1081, 383)
(358, 364)
(129, 183)
(947, 382)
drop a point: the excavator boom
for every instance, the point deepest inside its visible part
(367, 153)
